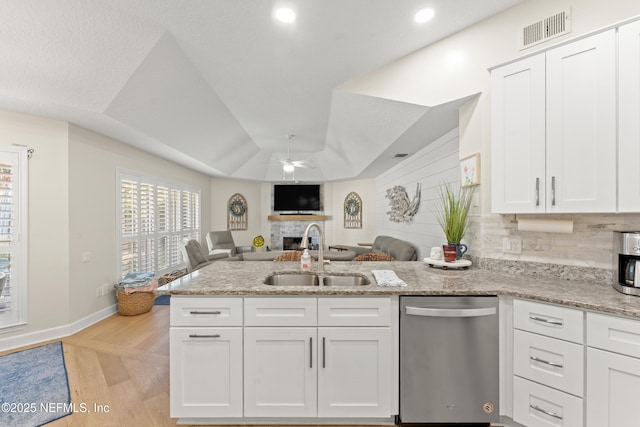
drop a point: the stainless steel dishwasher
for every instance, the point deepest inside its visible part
(449, 360)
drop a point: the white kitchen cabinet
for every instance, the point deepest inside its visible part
(612, 382)
(629, 112)
(581, 125)
(613, 370)
(555, 363)
(353, 372)
(554, 130)
(341, 369)
(280, 372)
(518, 136)
(535, 405)
(287, 358)
(206, 372)
(548, 364)
(206, 357)
(550, 320)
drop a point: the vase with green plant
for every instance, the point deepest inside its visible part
(452, 214)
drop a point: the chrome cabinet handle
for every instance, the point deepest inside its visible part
(206, 312)
(553, 191)
(547, 321)
(546, 362)
(551, 414)
(204, 336)
(538, 191)
(310, 352)
(324, 355)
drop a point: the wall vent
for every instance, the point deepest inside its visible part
(545, 29)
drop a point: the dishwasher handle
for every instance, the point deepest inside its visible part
(451, 312)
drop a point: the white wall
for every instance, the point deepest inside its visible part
(93, 163)
(221, 192)
(432, 166)
(458, 66)
(72, 195)
(258, 197)
(352, 236)
(48, 246)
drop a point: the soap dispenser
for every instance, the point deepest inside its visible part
(305, 261)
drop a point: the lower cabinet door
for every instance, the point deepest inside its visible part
(613, 381)
(354, 372)
(535, 405)
(206, 372)
(280, 369)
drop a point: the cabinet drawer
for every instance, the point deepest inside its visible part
(535, 405)
(206, 311)
(558, 364)
(354, 311)
(613, 333)
(265, 311)
(550, 320)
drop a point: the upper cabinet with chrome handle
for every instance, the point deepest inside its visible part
(553, 130)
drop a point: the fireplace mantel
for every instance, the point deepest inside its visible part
(298, 217)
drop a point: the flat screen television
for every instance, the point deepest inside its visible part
(296, 197)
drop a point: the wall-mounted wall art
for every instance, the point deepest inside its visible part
(352, 211)
(470, 170)
(402, 209)
(237, 216)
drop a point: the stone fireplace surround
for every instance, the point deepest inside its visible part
(293, 228)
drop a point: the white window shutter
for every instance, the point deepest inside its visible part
(13, 235)
(155, 219)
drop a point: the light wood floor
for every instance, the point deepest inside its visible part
(120, 365)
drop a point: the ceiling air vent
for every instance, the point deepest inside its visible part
(400, 155)
(545, 29)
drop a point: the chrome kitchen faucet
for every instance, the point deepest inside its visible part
(305, 244)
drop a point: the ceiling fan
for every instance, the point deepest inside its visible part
(288, 165)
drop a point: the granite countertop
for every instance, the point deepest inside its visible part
(246, 278)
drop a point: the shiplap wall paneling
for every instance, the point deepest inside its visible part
(436, 163)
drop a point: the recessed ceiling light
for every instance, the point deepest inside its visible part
(424, 15)
(284, 14)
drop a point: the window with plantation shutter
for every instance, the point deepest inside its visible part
(13, 236)
(156, 220)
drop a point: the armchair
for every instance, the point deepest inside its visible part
(195, 258)
(222, 242)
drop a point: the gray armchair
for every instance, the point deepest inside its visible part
(195, 258)
(220, 242)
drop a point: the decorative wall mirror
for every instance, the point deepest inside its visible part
(352, 211)
(237, 216)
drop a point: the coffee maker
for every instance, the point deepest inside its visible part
(628, 246)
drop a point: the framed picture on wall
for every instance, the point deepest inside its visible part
(470, 170)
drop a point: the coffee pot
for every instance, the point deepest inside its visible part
(628, 246)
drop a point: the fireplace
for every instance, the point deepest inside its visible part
(293, 226)
(292, 243)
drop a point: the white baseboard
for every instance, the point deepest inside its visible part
(57, 332)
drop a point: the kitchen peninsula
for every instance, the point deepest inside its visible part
(230, 278)
(252, 323)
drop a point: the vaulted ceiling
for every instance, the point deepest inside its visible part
(217, 85)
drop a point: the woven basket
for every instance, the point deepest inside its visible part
(136, 303)
(374, 256)
(169, 277)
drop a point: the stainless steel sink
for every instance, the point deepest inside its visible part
(291, 279)
(311, 279)
(345, 280)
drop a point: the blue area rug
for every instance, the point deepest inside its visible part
(162, 300)
(34, 388)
